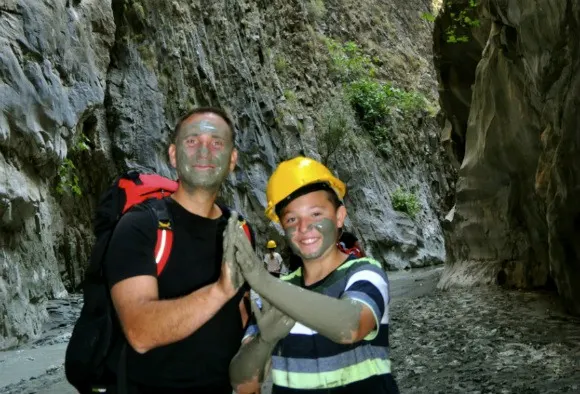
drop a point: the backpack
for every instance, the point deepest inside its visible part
(96, 336)
(356, 252)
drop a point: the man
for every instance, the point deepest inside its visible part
(184, 326)
(272, 260)
(324, 327)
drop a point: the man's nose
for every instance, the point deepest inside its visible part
(204, 145)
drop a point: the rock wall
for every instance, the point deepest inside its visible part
(90, 88)
(53, 66)
(515, 221)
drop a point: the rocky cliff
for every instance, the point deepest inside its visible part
(89, 88)
(510, 88)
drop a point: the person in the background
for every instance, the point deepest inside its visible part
(348, 243)
(272, 259)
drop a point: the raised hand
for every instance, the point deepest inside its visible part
(231, 278)
(274, 325)
(247, 260)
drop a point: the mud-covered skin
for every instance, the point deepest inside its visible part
(229, 251)
(273, 323)
(248, 365)
(203, 152)
(336, 319)
(326, 228)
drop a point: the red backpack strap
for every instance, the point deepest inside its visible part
(247, 230)
(245, 225)
(356, 252)
(164, 233)
(163, 246)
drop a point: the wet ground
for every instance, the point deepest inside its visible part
(464, 341)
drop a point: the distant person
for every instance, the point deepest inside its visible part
(272, 260)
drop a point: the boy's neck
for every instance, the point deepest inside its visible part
(320, 268)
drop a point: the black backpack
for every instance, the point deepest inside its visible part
(97, 339)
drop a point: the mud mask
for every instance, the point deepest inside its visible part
(203, 162)
(325, 228)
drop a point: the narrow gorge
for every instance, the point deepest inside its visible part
(92, 88)
(454, 124)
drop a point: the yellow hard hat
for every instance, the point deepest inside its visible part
(271, 244)
(295, 173)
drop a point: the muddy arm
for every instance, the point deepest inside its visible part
(340, 320)
(248, 366)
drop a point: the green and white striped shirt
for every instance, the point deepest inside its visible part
(305, 360)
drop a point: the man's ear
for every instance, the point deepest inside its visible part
(171, 153)
(340, 216)
(233, 159)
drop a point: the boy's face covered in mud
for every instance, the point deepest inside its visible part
(311, 224)
(204, 151)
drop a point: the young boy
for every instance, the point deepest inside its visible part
(324, 327)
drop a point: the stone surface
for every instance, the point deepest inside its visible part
(98, 85)
(516, 213)
(480, 340)
(53, 62)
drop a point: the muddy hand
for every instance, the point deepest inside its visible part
(230, 271)
(274, 325)
(247, 259)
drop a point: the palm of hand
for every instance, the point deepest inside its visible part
(273, 324)
(229, 241)
(246, 258)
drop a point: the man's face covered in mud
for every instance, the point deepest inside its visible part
(311, 224)
(204, 151)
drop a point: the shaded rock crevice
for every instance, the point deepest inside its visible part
(513, 221)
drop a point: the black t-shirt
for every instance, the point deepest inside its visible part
(200, 361)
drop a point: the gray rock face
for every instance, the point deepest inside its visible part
(92, 88)
(515, 219)
(53, 63)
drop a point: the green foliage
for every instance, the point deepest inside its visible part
(280, 64)
(376, 104)
(406, 202)
(429, 17)
(148, 55)
(82, 144)
(335, 123)
(461, 22)
(68, 180)
(348, 62)
(316, 9)
(373, 101)
(290, 96)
